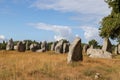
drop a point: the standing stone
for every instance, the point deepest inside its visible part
(0, 47)
(53, 46)
(65, 47)
(15, 47)
(44, 45)
(21, 46)
(107, 45)
(91, 47)
(118, 48)
(33, 47)
(40, 45)
(85, 47)
(27, 46)
(10, 45)
(75, 51)
(59, 47)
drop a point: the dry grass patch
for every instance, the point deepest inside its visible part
(51, 66)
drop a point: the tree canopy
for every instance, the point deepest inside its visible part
(110, 25)
(93, 42)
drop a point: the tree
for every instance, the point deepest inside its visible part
(3, 45)
(93, 42)
(110, 25)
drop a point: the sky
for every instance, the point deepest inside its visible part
(51, 20)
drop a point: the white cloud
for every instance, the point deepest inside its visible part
(98, 7)
(91, 33)
(87, 11)
(61, 32)
(2, 37)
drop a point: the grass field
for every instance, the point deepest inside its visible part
(52, 66)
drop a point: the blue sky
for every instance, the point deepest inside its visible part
(51, 19)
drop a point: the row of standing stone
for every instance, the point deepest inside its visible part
(59, 47)
(74, 49)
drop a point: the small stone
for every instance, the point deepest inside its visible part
(97, 75)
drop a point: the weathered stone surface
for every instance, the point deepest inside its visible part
(44, 45)
(10, 45)
(66, 47)
(27, 46)
(34, 47)
(91, 47)
(118, 48)
(41, 50)
(15, 47)
(107, 45)
(75, 51)
(98, 53)
(59, 47)
(0, 47)
(97, 76)
(40, 45)
(85, 47)
(53, 46)
(21, 46)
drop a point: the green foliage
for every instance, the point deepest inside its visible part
(115, 4)
(82, 44)
(65, 41)
(15, 42)
(93, 42)
(3, 45)
(110, 25)
(49, 45)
